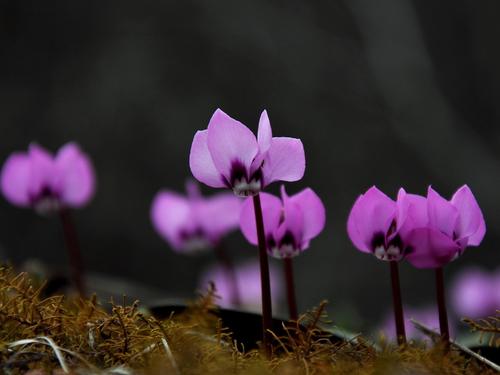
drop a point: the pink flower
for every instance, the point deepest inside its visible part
(474, 293)
(48, 183)
(192, 223)
(247, 284)
(227, 154)
(375, 225)
(439, 230)
(290, 222)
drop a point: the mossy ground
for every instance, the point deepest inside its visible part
(90, 339)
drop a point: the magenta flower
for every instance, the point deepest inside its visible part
(48, 183)
(247, 283)
(439, 230)
(290, 222)
(475, 293)
(375, 224)
(227, 154)
(192, 223)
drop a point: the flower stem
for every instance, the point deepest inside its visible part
(397, 303)
(290, 288)
(441, 302)
(73, 248)
(227, 265)
(264, 275)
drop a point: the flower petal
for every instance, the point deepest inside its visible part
(42, 169)
(74, 177)
(372, 214)
(292, 223)
(219, 215)
(470, 223)
(170, 215)
(313, 212)
(285, 160)
(271, 213)
(430, 248)
(442, 214)
(412, 213)
(15, 179)
(201, 163)
(230, 141)
(264, 134)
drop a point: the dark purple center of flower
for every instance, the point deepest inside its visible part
(194, 240)
(242, 184)
(394, 249)
(46, 202)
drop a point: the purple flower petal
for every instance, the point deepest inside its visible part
(42, 169)
(271, 212)
(15, 179)
(313, 211)
(372, 214)
(219, 214)
(285, 160)
(442, 214)
(201, 163)
(170, 214)
(74, 177)
(264, 134)
(291, 226)
(230, 141)
(412, 213)
(470, 223)
(430, 248)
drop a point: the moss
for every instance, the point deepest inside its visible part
(92, 339)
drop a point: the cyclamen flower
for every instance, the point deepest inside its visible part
(290, 222)
(375, 225)
(248, 285)
(48, 183)
(192, 223)
(228, 155)
(439, 230)
(475, 293)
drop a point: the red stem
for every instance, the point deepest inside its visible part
(441, 302)
(290, 288)
(73, 248)
(264, 275)
(397, 303)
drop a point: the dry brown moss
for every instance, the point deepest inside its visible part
(93, 340)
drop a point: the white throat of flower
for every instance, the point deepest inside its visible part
(47, 205)
(388, 254)
(284, 251)
(243, 188)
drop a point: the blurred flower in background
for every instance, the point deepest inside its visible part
(427, 315)
(475, 293)
(48, 183)
(248, 286)
(194, 223)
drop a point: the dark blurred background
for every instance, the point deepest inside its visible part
(388, 92)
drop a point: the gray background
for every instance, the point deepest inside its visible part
(388, 92)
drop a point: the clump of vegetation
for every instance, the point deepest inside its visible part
(62, 335)
(488, 328)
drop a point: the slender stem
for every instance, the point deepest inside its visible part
(73, 248)
(441, 302)
(264, 275)
(397, 303)
(228, 266)
(290, 288)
